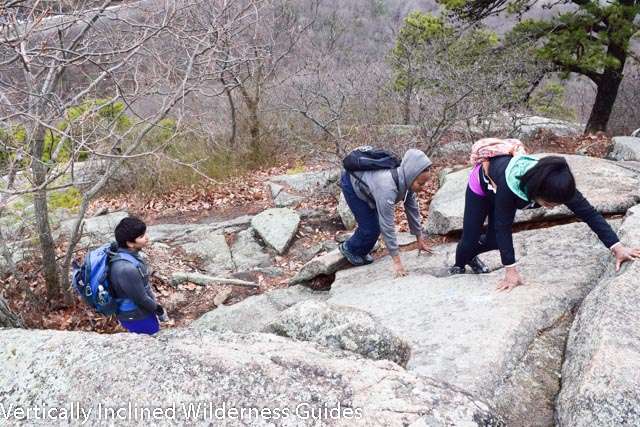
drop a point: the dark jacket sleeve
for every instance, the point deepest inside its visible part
(587, 213)
(503, 215)
(133, 286)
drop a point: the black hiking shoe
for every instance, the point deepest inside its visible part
(352, 258)
(456, 270)
(477, 266)
(368, 259)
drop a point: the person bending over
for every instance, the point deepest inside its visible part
(522, 182)
(372, 196)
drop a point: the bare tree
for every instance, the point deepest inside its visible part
(270, 42)
(74, 83)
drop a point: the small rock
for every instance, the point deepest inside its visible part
(625, 148)
(348, 220)
(323, 265)
(222, 296)
(277, 227)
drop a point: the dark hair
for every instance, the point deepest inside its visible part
(128, 230)
(550, 180)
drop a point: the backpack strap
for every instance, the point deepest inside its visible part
(485, 170)
(127, 257)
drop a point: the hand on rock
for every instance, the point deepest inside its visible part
(398, 267)
(624, 254)
(511, 279)
(423, 246)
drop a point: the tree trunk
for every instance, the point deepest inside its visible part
(608, 84)
(406, 116)
(234, 121)
(254, 127)
(47, 245)
(605, 99)
(7, 318)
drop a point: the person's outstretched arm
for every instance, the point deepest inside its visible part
(594, 219)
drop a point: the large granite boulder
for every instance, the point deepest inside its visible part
(208, 242)
(307, 181)
(625, 148)
(256, 379)
(504, 347)
(601, 371)
(97, 229)
(609, 187)
(290, 189)
(526, 127)
(181, 233)
(255, 313)
(344, 328)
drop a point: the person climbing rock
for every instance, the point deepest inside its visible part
(372, 196)
(129, 279)
(502, 184)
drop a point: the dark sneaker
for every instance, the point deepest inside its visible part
(352, 258)
(368, 259)
(477, 266)
(456, 270)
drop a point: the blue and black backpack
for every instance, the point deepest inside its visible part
(91, 280)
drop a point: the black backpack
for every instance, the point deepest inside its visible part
(367, 158)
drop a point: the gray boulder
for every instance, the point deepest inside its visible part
(184, 233)
(230, 372)
(601, 371)
(255, 313)
(281, 198)
(213, 250)
(503, 347)
(307, 181)
(247, 253)
(625, 148)
(96, 230)
(447, 207)
(455, 148)
(348, 220)
(277, 227)
(343, 328)
(526, 127)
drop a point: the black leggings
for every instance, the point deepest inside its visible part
(473, 242)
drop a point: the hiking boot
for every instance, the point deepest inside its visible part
(456, 270)
(368, 259)
(352, 258)
(477, 266)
